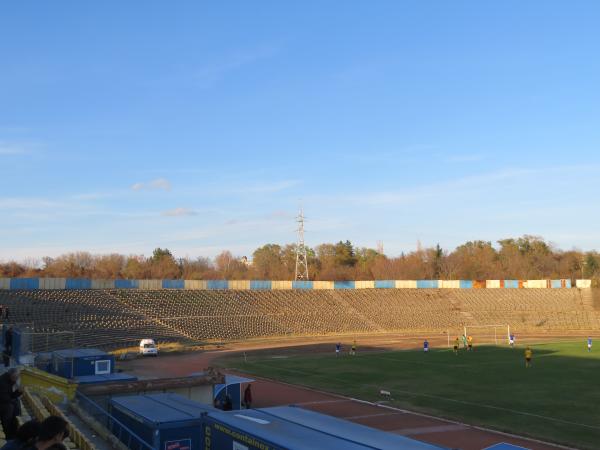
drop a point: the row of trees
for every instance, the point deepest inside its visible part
(527, 257)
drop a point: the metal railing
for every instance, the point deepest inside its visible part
(121, 431)
(75, 434)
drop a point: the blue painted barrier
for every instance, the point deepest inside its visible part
(466, 284)
(511, 284)
(25, 283)
(127, 284)
(173, 284)
(260, 285)
(217, 284)
(78, 283)
(427, 284)
(385, 284)
(299, 284)
(343, 284)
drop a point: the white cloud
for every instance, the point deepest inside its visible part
(179, 212)
(158, 183)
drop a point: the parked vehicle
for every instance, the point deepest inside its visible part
(148, 347)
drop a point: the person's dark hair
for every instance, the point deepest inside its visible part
(29, 430)
(57, 447)
(51, 426)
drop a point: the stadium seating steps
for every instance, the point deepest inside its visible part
(120, 317)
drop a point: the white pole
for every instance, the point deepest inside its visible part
(508, 329)
(448, 334)
(495, 337)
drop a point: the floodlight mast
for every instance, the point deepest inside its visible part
(301, 258)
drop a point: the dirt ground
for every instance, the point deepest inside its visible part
(266, 392)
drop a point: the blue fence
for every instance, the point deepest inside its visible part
(260, 285)
(127, 284)
(427, 284)
(217, 284)
(344, 285)
(299, 284)
(25, 283)
(385, 284)
(85, 283)
(173, 284)
(78, 283)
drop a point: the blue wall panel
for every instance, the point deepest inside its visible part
(217, 284)
(343, 284)
(25, 283)
(555, 284)
(427, 284)
(258, 285)
(466, 284)
(511, 284)
(78, 283)
(568, 284)
(127, 284)
(299, 284)
(173, 284)
(385, 284)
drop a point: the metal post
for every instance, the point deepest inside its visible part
(495, 337)
(301, 272)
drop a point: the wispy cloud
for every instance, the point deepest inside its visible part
(464, 158)
(210, 73)
(158, 183)
(179, 212)
(29, 203)
(264, 188)
(452, 189)
(13, 149)
(436, 190)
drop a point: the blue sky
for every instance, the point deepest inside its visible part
(125, 126)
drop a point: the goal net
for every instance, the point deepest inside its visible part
(488, 334)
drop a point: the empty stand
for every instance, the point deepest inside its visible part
(123, 316)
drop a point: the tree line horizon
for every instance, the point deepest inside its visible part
(526, 257)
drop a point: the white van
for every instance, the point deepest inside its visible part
(148, 347)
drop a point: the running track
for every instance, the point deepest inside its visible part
(272, 393)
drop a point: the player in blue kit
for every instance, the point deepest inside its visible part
(589, 344)
(425, 346)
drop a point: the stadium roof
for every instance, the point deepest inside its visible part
(160, 409)
(300, 429)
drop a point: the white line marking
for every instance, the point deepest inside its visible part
(438, 397)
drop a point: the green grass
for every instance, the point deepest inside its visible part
(558, 399)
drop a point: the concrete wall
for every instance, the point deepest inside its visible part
(84, 283)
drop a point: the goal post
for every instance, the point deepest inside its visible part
(488, 334)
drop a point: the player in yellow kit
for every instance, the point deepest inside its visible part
(528, 356)
(456, 344)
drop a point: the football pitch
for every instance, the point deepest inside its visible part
(557, 399)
